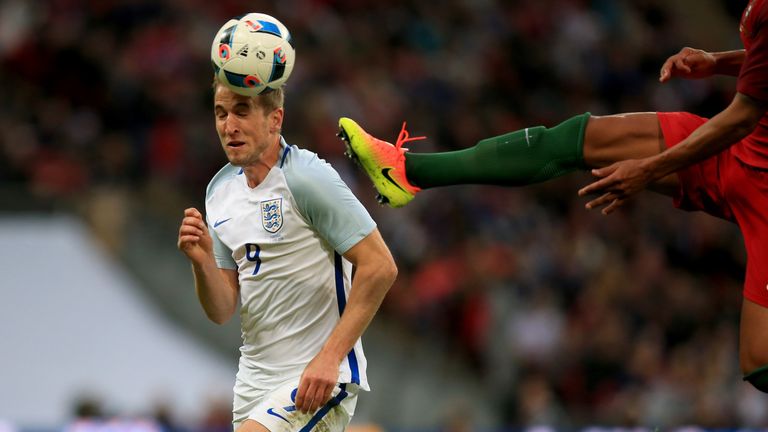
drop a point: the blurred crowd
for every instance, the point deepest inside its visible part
(571, 318)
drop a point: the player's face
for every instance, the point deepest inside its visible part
(247, 133)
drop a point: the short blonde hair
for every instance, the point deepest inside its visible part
(269, 100)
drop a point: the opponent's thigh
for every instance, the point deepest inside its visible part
(618, 137)
(613, 138)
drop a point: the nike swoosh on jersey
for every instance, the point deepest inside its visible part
(219, 222)
(272, 412)
(385, 173)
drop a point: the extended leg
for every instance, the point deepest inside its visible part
(523, 157)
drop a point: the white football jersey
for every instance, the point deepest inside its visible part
(285, 237)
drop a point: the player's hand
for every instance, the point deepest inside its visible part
(317, 383)
(617, 183)
(689, 63)
(194, 239)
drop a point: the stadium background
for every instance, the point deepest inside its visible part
(514, 307)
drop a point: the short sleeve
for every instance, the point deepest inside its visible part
(221, 253)
(328, 205)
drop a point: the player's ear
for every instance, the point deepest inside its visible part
(276, 120)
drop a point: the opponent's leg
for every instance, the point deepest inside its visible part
(753, 351)
(527, 156)
(746, 189)
(518, 158)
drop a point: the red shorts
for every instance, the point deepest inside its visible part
(725, 187)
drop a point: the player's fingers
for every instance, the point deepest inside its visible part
(186, 241)
(316, 401)
(309, 404)
(682, 65)
(326, 395)
(190, 229)
(193, 221)
(188, 234)
(300, 395)
(615, 204)
(605, 183)
(664, 73)
(193, 212)
(595, 187)
(605, 171)
(601, 200)
(321, 397)
(304, 395)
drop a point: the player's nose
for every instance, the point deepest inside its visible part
(231, 126)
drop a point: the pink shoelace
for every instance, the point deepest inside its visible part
(404, 137)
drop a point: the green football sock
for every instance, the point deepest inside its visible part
(517, 158)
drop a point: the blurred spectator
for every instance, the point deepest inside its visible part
(90, 417)
(218, 417)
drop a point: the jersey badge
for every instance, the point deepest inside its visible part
(272, 215)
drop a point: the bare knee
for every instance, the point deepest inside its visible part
(752, 355)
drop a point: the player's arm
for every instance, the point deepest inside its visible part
(328, 205)
(623, 179)
(735, 122)
(691, 63)
(729, 62)
(217, 289)
(375, 271)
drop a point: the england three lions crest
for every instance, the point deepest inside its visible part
(272, 215)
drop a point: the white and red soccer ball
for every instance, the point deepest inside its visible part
(252, 53)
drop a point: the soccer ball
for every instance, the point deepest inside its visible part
(252, 53)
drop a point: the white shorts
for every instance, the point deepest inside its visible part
(277, 411)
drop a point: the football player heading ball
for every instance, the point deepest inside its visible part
(282, 234)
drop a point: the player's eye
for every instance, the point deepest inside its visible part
(241, 109)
